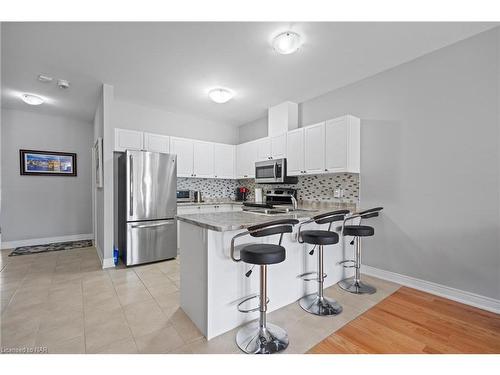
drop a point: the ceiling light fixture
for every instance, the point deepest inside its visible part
(220, 95)
(287, 42)
(32, 99)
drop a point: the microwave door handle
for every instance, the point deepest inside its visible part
(274, 169)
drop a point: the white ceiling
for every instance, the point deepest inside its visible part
(172, 65)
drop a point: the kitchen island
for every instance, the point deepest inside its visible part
(212, 284)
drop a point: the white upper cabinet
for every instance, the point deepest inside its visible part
(264, 148)
(128, 140)
(203, 159)
(246, 156)
(183, 148)
(156, 142)
(314, 148)
(224, 160)
(342, 140)
(278, 146)
(295, 152)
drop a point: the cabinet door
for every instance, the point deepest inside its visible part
(336, 142)
(295, 152)
(278, 146)
(263, 149)
(223, 161)
(156, 142)
(246, 156)
(314, 148)
(203, 159)
(128, 140)
(253, 156)
(183, 148)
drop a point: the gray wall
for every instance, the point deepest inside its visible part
(43, 206)
(129, 115)
(253, 130)
(430, 155)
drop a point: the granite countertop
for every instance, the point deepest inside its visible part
(208, 203)
(229, 221)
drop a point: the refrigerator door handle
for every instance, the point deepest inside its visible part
(131, 172)
(170, 222)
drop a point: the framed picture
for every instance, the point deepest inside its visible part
(47, 163)
(98, 162)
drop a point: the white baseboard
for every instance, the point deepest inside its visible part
(468, 298)
(46, 240)
(108, 263)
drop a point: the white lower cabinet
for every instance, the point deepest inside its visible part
(208, 208)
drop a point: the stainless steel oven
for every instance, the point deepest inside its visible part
(272, 172)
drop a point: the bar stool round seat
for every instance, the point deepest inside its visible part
(358, 230)
(263, 254)
(320, 237)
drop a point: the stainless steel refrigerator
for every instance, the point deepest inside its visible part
(147, 205)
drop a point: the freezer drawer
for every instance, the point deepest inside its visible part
(150, 241)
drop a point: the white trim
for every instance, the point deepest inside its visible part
(108, 263)
(468, 298)
(98, 250)
(46, 240)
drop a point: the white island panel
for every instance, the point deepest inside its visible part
(212, 284)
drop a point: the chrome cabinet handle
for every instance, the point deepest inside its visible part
(153, 225)
(131, 172)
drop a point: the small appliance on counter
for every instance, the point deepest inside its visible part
(198, 198)
(242, 194)
(185, 196)
(259, 196)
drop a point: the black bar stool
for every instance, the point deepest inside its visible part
(317, 303)
(354, 284)
(262, 337)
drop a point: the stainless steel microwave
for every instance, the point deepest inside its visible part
(272, 172)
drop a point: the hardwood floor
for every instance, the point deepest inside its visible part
(410, 321)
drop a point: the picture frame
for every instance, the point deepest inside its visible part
(98, 163)
(47, 163)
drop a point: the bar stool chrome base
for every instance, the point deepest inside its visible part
(317, 305)
(254, 339)
(352, 285)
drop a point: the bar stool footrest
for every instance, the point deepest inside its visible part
(348, 261)
(246, 311)
(304, 276)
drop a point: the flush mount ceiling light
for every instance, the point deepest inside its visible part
(32, 99)
(220, 95)
(287, 42)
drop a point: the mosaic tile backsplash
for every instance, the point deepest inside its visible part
(210, 187)
(309, 188)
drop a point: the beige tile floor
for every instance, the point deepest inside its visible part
(65, 302)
